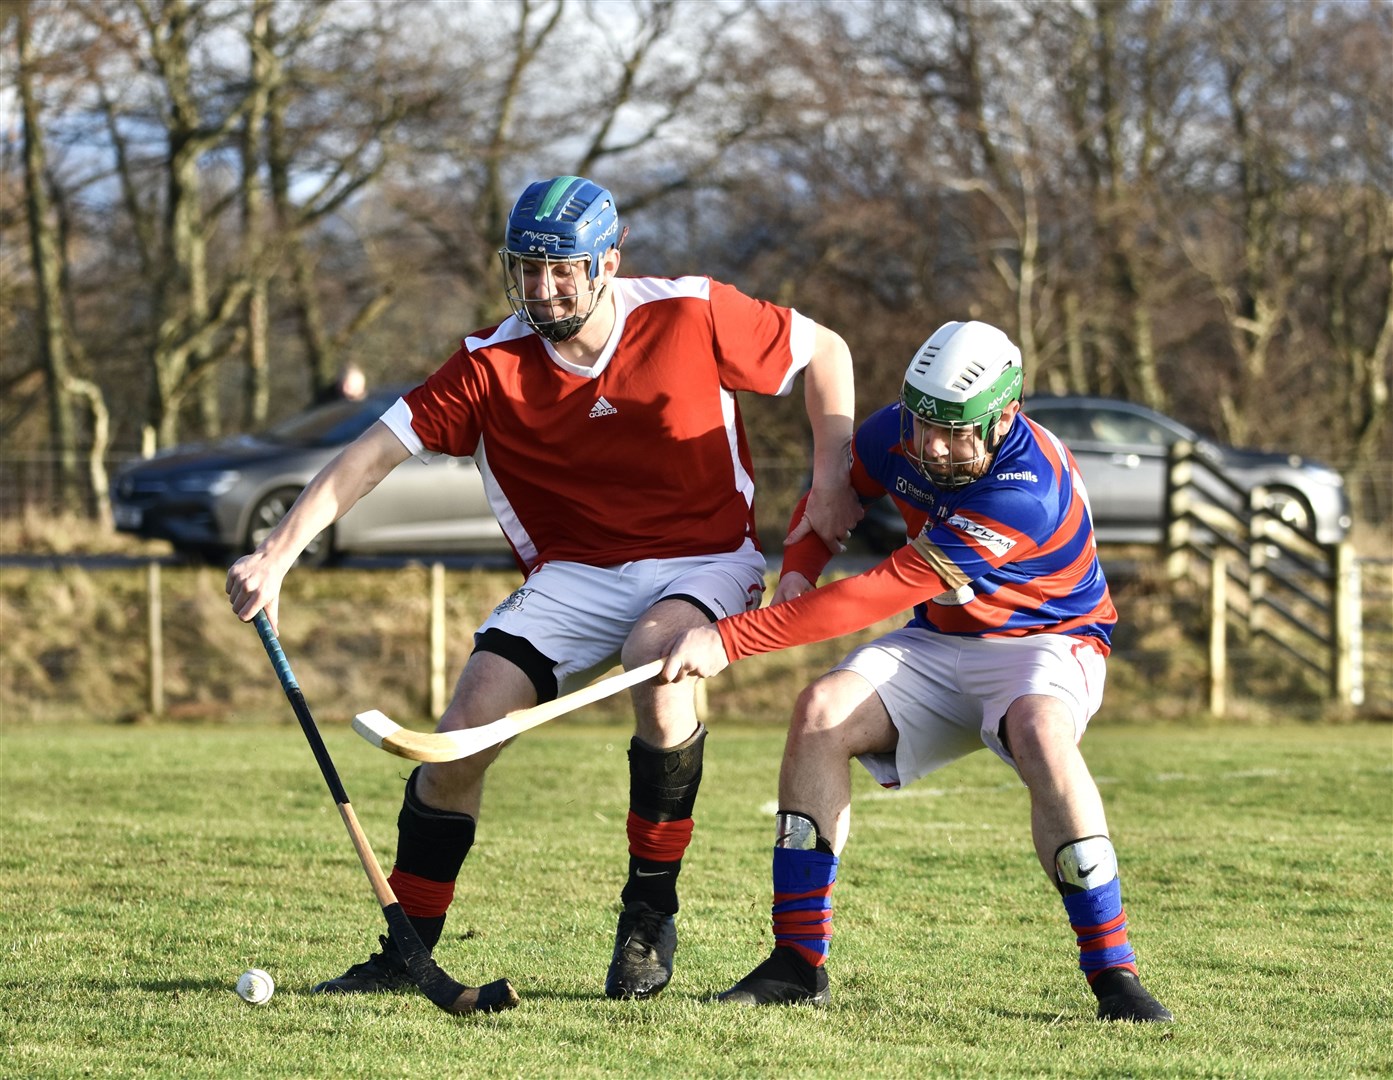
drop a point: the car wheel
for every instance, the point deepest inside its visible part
(267, 513)
(1291, 508)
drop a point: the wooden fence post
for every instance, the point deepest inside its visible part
(1346, 628)
(1218, 627)
(154, 638)
(437, 640)
(1178, 527)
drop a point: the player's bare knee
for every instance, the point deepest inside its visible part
(820, 710)
(1038, 733)
(659, 625)
(450, 785)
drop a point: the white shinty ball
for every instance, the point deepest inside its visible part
(256, 986)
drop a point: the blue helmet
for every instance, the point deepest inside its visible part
(564, 219)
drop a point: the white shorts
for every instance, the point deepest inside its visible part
(579, 615)
(947, 695)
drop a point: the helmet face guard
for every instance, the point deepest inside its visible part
(571, 293)
(558, 232)
(958, 386)
(963, 459)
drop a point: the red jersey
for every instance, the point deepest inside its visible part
(641, 456)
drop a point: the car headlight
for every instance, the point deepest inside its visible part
(214, 482)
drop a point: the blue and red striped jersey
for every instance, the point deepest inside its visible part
(1022, 535)
(1010, 554)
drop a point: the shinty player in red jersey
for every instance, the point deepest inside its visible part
(603, 418)
(1006, 647)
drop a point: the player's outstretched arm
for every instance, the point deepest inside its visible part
(833, 508)
(699, 652)
(254, 581)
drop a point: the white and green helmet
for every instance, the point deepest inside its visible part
(965, 375)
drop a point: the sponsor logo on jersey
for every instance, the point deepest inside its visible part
(514, 602)
(991, 540)
(904, 487)
(958, 597)
(1023, 475)
(602, 408)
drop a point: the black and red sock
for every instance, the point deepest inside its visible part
(431, 847)
(662, 792)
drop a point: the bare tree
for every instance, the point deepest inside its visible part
(60, 352)
(257, 388)
(191, 318)
(342, 94)
(43, 245)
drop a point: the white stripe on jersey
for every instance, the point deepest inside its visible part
(510, 329)
(744, 482)
(1075, 477)
(503, 511)
(398, 419)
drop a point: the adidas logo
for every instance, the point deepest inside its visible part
(602, 408)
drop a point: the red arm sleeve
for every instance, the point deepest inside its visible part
(854, 603)
(809, 556)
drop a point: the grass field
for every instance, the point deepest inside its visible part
(145, 867)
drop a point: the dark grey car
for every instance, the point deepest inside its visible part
(1122, 448)
(217, 500)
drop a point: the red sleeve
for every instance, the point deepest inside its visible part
(843, 607)
(752, 340)
(447, 409)
(809, 556)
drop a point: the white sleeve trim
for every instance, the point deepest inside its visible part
(802, 335)
(398, 418)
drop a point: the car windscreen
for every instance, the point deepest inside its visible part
(1085, 424)
(328, 425)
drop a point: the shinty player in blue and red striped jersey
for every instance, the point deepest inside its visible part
(1006, 648)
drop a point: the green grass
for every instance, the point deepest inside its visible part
(145, 867)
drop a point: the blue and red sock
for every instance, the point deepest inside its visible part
(1100, 925)
(802, 912)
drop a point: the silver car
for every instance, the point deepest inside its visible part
(218, 500)
(1122, 450)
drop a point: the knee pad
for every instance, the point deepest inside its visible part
(663, 783)
(1084, 864)
(539, 668)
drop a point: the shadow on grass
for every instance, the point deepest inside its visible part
(170, 986)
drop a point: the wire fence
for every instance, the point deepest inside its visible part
(33, 481)
(367, 634)
(121, 644)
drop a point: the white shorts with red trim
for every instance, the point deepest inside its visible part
(947, 696)
(579, 615)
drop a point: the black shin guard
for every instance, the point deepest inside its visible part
(431, 845)
(662, 791)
